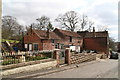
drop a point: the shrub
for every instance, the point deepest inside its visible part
(6, 62)
(32, 58)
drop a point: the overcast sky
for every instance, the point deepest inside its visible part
(102, 12)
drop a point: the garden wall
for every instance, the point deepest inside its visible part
(82, 57)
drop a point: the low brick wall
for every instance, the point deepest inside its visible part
(30, 68)
(101, 56)
(82, 57)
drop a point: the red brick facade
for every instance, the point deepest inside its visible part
(69, 38)
(98, 44)
(61, 39)
(32, 38)
(56, 40)
(95, 41)
(43, 44)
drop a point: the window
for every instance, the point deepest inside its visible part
(30, 47)
(53, 41)
(70, 38)
(62, 46)
(26, 46)
(35, 47)
(57, 46)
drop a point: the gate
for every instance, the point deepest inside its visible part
(62, 57)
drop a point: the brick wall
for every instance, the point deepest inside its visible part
(31, 38)
(98, 44)
(75, 42)
(83, 57)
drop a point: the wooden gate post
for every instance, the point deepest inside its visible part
(67, 56)
(56, 56)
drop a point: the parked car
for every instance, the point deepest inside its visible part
(90, 51)
(113, 55)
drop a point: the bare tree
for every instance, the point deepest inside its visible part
(50, 27)
(20, 29)
(43, 23)
(10, 27)
(112, 43)
(84, 21)
(102, 28)
(69, 20)
(90, 26)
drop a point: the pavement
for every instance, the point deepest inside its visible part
(49, 70)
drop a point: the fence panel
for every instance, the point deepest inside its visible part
(8, 58)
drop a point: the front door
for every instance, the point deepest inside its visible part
(30, 47)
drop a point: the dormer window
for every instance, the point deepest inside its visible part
(70, 38)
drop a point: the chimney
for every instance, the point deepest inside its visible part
(31, 29)
(48, 33)
(94, 32)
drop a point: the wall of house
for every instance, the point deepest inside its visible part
(45, 44)
(66, 41)
(32, 38)
(48, 45)
(98, 44)
(77, 42)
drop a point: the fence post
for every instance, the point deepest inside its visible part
(67, 56)
(22, 58)
(56, 56)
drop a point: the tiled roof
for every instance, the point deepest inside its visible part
(68, 33)
(90, 34)
(43, 35)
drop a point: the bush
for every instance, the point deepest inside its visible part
(32, 58)
(6, 62)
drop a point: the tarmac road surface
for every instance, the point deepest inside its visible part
(103, 69)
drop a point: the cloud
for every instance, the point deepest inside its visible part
(26, 11)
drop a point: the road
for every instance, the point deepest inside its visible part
(103, 69)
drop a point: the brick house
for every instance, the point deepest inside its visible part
(69, 39)
(98, 41)
(40, 40)
(58, 39)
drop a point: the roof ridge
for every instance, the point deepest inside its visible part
(42, 34)
(69, 33)
(67, 30)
